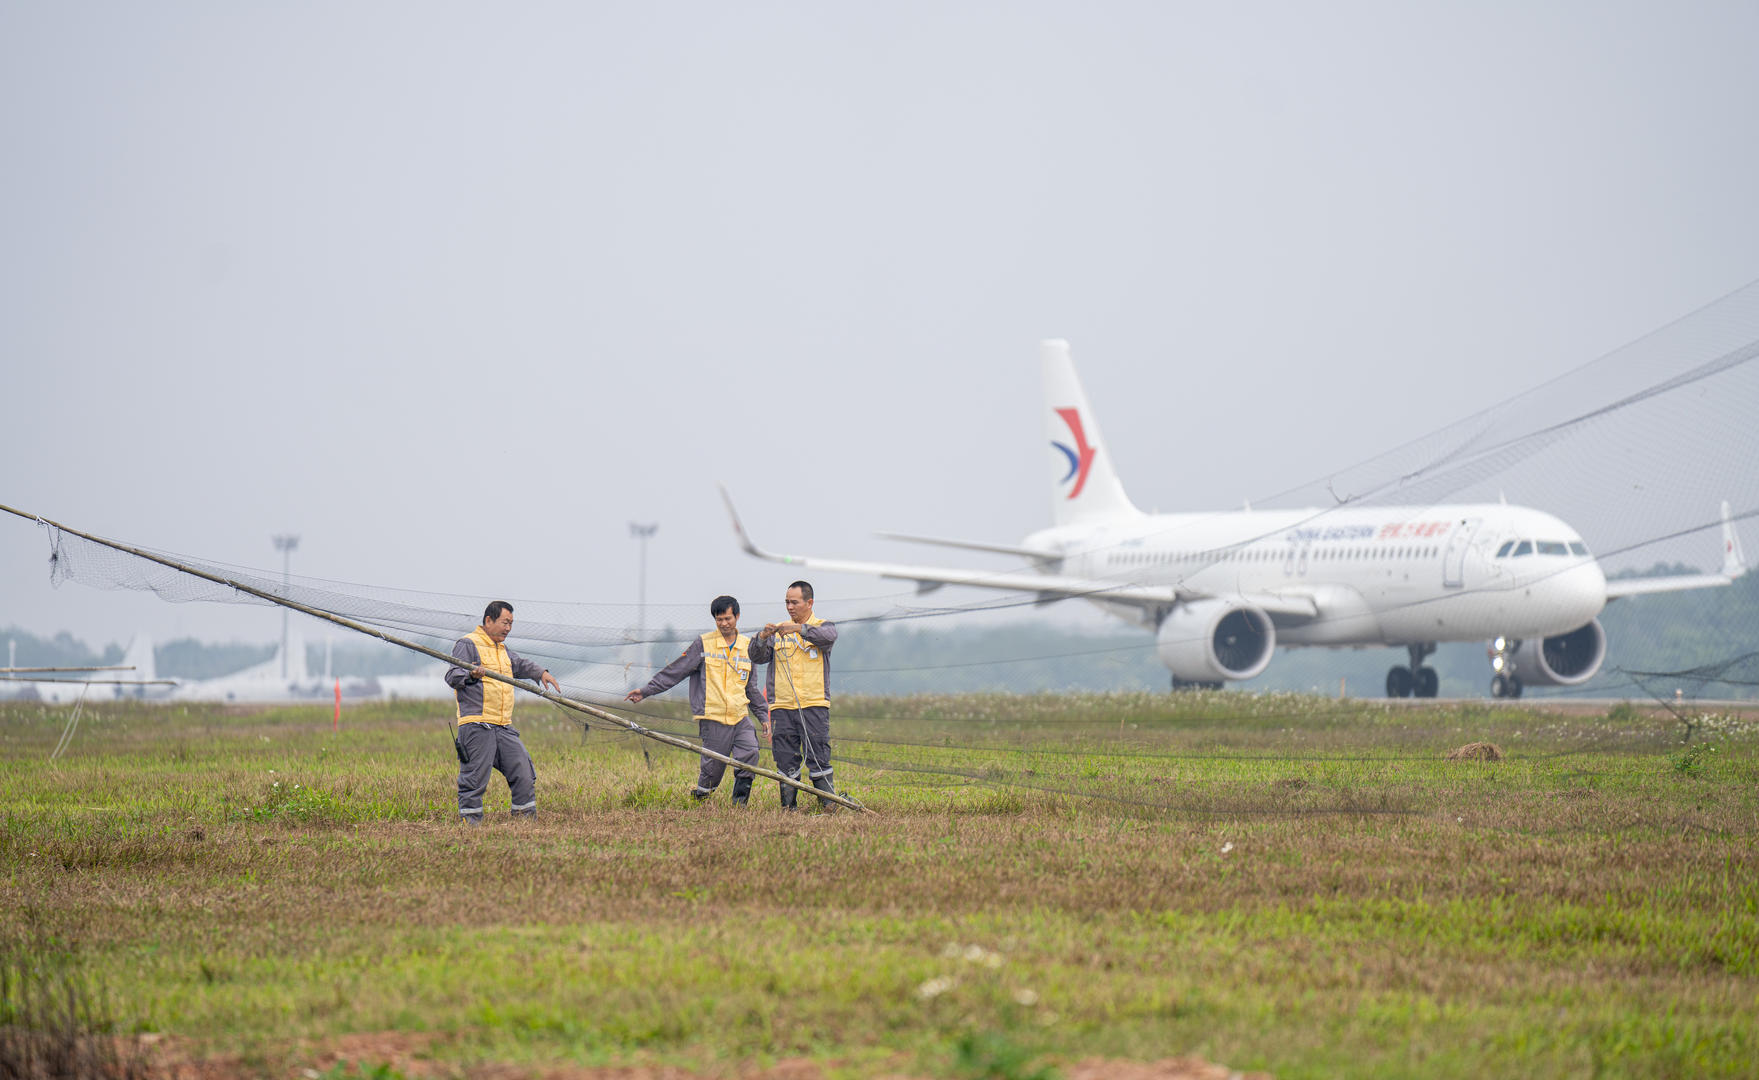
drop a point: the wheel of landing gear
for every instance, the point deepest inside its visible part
(1499, 685)
(1427, 682)
(1398, 682)
(1515, 686)
(1194, 684)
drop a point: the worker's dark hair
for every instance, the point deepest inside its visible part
(805, 588)
(493, 611)
(721, 603)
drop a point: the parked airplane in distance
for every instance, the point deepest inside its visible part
(269, 683)
(266, 683)
(138, 681)
(1222, 590)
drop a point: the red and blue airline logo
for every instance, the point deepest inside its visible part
(1080, 457)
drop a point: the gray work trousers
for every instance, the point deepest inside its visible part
(802, 734)
(737, 741)
(488, 747)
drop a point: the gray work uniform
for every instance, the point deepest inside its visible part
(487, 739)
(799, 684)
(802, 736)
(488, 747)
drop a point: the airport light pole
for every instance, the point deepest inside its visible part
(642, 533)
(285, 544)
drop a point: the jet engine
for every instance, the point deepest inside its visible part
(1564, 659)
(1212, 640)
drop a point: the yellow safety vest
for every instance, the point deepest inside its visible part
(497, 696)
(799, 671)
(726, 671)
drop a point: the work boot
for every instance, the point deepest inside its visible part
(741, 790)
(701, 793)
(530, 815)
(475, 821)
(789, 793)
(823, 783)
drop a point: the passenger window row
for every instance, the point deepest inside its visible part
(1140, 558)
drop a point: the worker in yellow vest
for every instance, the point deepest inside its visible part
(485, 735)
(799, 655)
(722, 691)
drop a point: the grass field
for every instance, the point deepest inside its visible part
(1294, 885)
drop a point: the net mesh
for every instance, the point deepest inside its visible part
(1637, 449)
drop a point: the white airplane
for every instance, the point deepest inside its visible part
(264, 683)
(1222, 590)
(139, 682)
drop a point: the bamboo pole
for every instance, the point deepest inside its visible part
(90, 682)
(34, 670)
(391, 639)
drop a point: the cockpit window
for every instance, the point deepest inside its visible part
(1523, 548)
(1503, 551)
(1578, 548)
(1553, 547)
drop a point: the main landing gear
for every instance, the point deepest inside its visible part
(1193, 684)
(1416, 680)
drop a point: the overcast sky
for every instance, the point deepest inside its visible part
(455, 292)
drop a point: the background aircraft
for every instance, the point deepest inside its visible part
(1221, 590)
(140, 682)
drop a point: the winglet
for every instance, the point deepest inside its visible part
(1734, 562)
(739, 527)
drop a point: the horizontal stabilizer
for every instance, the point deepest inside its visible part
(974, 545)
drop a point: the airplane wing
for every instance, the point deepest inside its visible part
(1048, 586)
(1734, 565)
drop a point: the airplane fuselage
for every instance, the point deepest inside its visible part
(1377, 576)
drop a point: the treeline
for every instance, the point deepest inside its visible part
(62, 650)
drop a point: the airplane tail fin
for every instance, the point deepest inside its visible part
(296, 666)
(140, 657)
(1734, 561)
(1084, 485)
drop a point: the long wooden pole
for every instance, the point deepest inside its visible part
(391, 639)
(89, 682)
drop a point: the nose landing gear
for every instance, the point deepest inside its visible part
(1416, 680)
(1505, 683)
